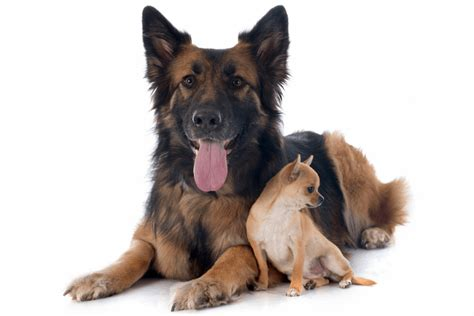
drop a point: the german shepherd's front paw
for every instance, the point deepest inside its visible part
(91, 287)
(200, 294)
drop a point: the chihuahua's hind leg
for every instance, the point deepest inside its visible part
(321, 282)
(309, 284)
(313, 283)
(346, 280)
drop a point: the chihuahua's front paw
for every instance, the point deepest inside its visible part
(344, 284)
(293, 292)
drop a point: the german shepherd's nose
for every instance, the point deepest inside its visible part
(207, 120)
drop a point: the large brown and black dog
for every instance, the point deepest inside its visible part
(218, 125)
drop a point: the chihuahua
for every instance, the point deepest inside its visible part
(280, 229)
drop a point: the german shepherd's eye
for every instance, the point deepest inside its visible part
(188, 81)
(310, 189)
(237, 82)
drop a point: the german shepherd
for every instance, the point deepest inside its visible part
(218, 125)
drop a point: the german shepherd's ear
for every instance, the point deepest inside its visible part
(162, 41)
(295, 169)
(270, 41)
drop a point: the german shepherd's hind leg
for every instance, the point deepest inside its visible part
(116, 278)
(372, 209)
(231, 274)
(389, 213)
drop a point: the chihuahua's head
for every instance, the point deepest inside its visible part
(300, 184)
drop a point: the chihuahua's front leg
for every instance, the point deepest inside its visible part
(296, 285)
(262, 283)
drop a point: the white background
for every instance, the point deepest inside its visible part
(76, 134)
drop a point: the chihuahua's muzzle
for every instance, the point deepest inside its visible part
(318, 203)
(320, 200)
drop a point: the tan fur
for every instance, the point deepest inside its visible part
(240, 55)
(227, 215)
(278, 231)
(380, 205)
(187, 234)
(116, 278)
(368, 202)
(221, 280)
(172, 261)
(181, 66)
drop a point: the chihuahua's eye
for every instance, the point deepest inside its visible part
(237, 82)
(310, 189)
(188, 81)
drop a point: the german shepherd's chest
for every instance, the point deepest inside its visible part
(193, 229)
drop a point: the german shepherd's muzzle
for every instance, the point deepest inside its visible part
(212, 123)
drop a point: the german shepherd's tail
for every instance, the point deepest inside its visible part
(368, 202)
(393, 200)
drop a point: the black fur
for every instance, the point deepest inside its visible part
(260, 150)
(270, 42)
(162, 43)
(329, 215)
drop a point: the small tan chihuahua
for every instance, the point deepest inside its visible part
(280, 229)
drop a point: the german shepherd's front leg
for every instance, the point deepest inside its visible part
(116, 278)
(231, 274)
(234, 271)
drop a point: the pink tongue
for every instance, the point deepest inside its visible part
(210, 166)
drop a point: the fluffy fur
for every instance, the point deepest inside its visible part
(281, 231)
(189, 234)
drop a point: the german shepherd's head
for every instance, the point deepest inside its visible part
(217, 110)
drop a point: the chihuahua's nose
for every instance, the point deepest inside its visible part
(320, 200)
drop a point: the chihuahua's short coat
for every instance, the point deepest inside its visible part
(280, 229)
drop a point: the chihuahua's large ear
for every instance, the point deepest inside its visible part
(269, 42)
(309, 160)
(295, 169)
(161, 40)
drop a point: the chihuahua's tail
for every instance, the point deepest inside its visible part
(361, 281)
